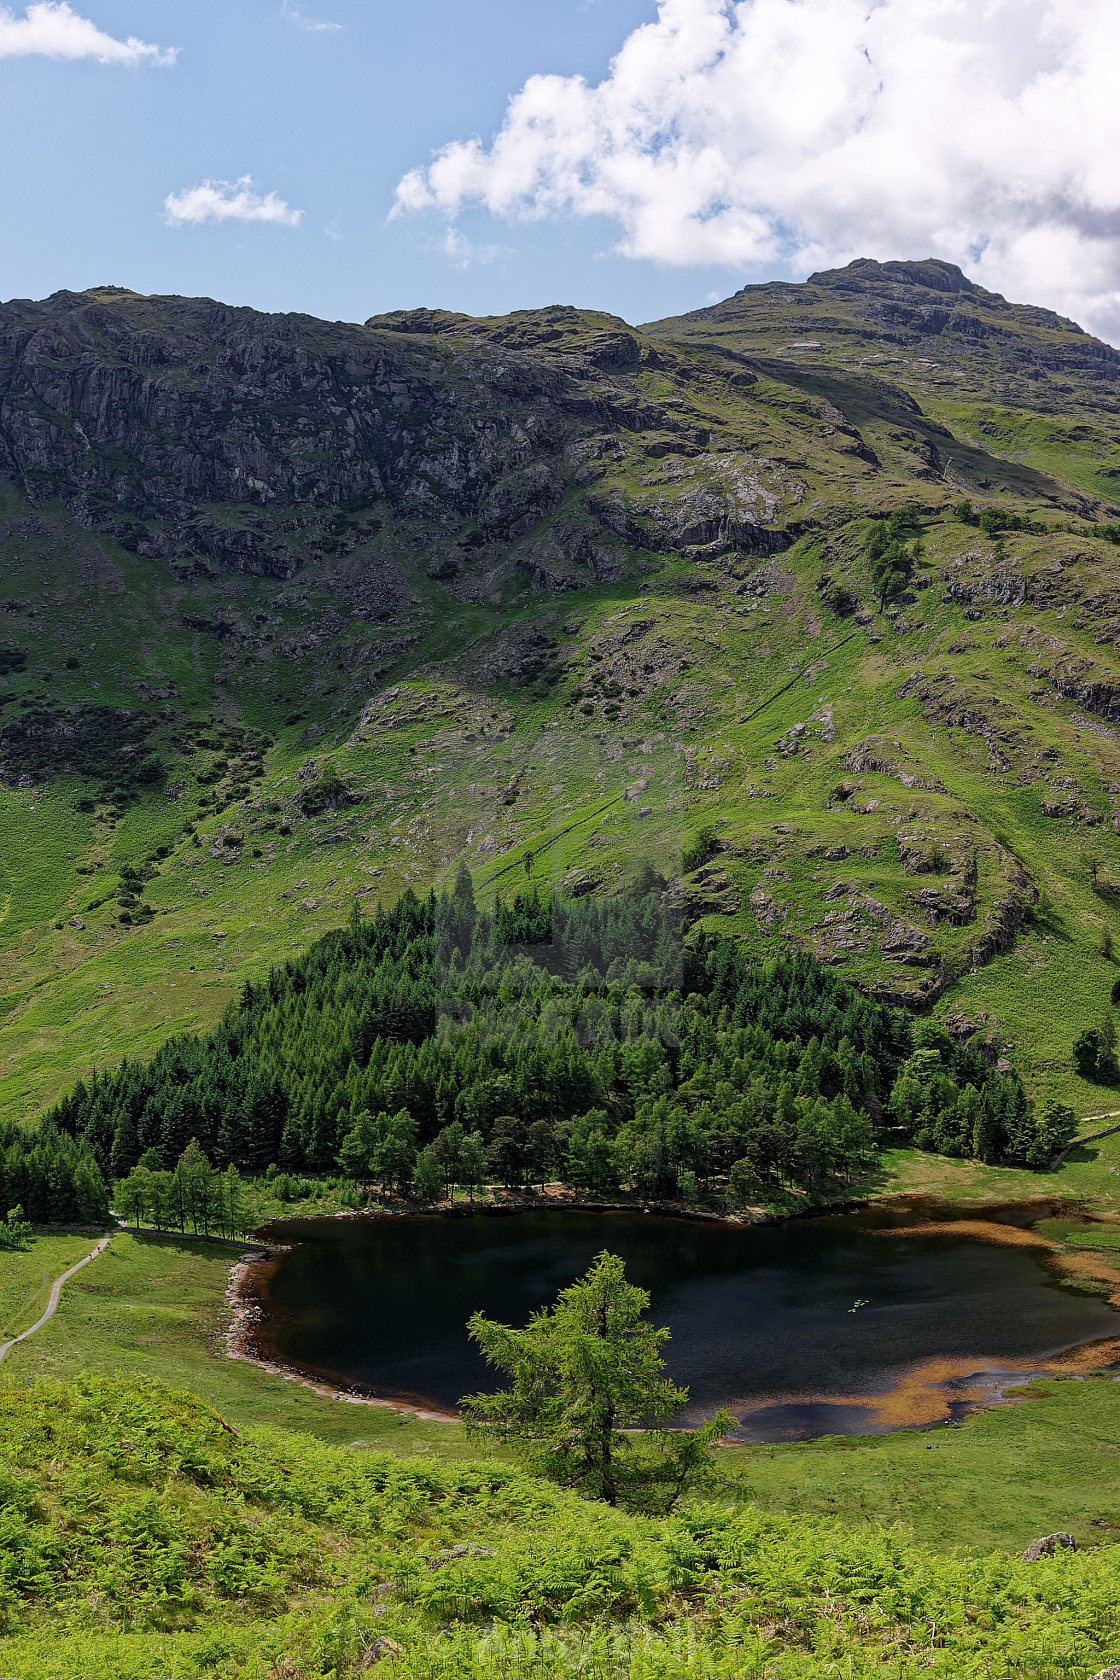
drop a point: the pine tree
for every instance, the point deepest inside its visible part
(233, 1203)
(134, 1195)
(743, 1183)
(472, 1163)
(195, 1190)
(15, 1230)
(126, 1147)
(357, 1150)
(427, 1178)
(91, 1199)
(987, 1132)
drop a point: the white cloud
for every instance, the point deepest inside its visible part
(228, 201)
(312, 26)
(52, 29)
(464, 253)
(790, 134)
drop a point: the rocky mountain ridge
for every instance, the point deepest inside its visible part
(293, 612)
(199, 433)
(925, 317)
(191, 431)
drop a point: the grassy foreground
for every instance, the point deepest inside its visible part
(156, 1308)
(145, 1537)
(167, 1513)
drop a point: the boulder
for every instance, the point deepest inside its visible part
(1047, 1546)
(577, 883)
(452, 1554)
(381, 1648)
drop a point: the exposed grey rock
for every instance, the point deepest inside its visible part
(577, 883)
(519, 654)
(383, 1647)
(1048, 1545)
(214, 436)
(708, 891)
(198, 432)
(451, 1554)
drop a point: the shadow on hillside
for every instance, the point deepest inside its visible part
(150, 1237)
(1046, 919)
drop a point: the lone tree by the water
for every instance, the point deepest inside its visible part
(585, 1375)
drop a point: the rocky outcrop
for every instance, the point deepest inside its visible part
(519, 654)
(190, 429)
(1047, 1546)
(1095, 693)
(206, 434)
(1007, 917)
(945, 700)
(708, 891)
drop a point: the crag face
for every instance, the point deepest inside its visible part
(295, 613)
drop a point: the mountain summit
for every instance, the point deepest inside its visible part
(298, 611)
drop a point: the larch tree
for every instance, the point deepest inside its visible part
(588, 1398)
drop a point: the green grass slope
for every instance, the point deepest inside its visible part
(201, 768)
(145, 1536)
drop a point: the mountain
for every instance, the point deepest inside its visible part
(296, 612)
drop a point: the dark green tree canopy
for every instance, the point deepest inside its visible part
(594, 1039)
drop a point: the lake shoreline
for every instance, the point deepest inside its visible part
(240, 1343)
(978, 1221)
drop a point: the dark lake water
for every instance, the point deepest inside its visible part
(850, 1324)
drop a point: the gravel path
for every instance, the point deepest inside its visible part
(52, 1303)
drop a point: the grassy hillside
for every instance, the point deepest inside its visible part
(438, 769)
(286, 1533)
(925, 797)
(146, 1536)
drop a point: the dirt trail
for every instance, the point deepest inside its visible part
(52, 1302)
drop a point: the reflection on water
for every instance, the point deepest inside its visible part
(851, 1324)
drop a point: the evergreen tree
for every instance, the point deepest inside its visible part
(358, 1149)
(472, 1163)
(1056, 1127)
(508, 1150)
(15, 1230)
(1089, 1054)
(195, 1191)
(126, 1146)
(233, 1203)
(134, 1195)
(743, 1183)
(448, 1150)
(582, 1376)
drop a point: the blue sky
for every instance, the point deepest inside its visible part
(640, 156)
(329, 119)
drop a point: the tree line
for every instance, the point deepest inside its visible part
(50, 1177)
(437, 1044)
(192, 1197)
